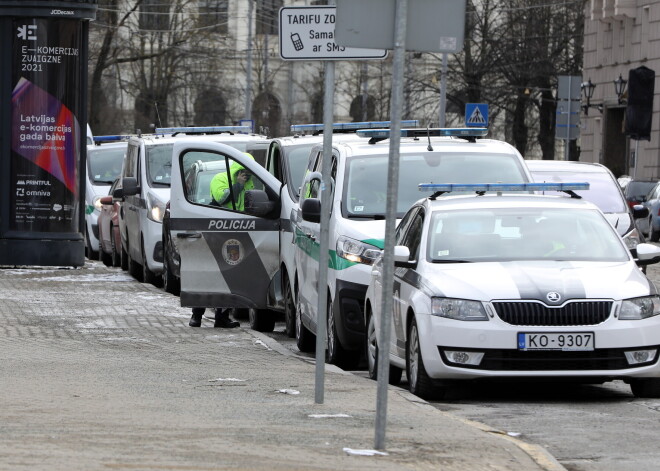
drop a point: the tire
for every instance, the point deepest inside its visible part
(147, 275)
(124, 259)
(91, 254)
(371, 352)
(262, 320)
(289, 309)
(134, 268)
(645, 387)
(171, 284)
(305, 340)
(106, 258)
(653, 234)
(335, 353)
(115, 258)
(419, 382)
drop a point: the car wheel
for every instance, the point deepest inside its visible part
(262, 320)
(115, 258)
(653, 234)
(372, 355)
(134, 268)
(335, 353)
(147, 275)
(124, 258)
(171, 284)
(419, 382)
(645, 387)
(91, 254)
(289, 309)
(305, 340)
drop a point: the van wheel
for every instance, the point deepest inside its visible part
(262, 320)
(289, 309)
(171, 283)
(335, 353)
(147, 275)
(91, 254)
(123, 258)
(372, 354)
(134, 268)
(115, 258)
(305, 340)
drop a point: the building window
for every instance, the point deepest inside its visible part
(213, 15)
(268, 16)
(155, 15)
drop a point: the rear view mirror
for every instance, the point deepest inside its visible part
(130, 186)
(640, 212)
(402, 257)
(118, 194)
(311, 210)
(257, 203)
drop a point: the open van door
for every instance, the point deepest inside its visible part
(230, 249)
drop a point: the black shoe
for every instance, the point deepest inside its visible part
(196, 318)
(223, 321)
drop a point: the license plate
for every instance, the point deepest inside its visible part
(566, 342)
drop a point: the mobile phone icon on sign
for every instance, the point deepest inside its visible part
(297, 43)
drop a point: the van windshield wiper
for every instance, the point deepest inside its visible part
(450, 261)
(377, 217)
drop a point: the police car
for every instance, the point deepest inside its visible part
(357, 220)
(145, 191)
(515, 286)
(287, 160)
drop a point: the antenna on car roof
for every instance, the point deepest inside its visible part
(428, 135)
(160, 125)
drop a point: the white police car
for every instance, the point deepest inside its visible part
(516, 286)
(357, 219)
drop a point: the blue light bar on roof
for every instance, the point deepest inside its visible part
(310, 128)
(420, 132)
(111, 138)
(449, 187)
(204, 129)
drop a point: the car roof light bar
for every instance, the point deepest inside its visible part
(204, 130)
(481, 188)
(337, 127)
(111, 138)
(471, 134)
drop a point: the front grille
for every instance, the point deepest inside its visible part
(515, 360)
(537, 313)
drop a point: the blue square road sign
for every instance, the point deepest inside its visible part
(476, 114)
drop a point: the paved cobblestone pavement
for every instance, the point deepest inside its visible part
(99, 371)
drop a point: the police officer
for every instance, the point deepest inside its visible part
(222, 319)
(225, 188)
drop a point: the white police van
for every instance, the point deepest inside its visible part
(287, 160)
(145, 191)
(357, 220)
(104, 161)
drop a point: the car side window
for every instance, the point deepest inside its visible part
(403, 225)
(207, 182)
(413, 235)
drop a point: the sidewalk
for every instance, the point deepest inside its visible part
(101, 372)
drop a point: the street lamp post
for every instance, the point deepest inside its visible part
(620, 88)
(588, 92)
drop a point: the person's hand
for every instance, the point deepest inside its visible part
(242, 177)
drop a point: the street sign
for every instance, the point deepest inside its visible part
(476, 114)
(308, 33)
(431, 25)
(567, 121)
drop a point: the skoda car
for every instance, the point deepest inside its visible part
(515, 286)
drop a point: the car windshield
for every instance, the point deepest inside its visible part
(509, 234)
(603, 191)
(366, 177)
(104, 164)
(297, 157)
(636, 190)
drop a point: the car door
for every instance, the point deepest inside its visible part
(229, 254)
(132, 202)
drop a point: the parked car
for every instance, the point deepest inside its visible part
(650, 226)
(104, 163)
(357, 218)
(604, 191)
(515, 286)
(636, 191)
(108, 222)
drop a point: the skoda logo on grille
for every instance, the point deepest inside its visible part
(553, 297)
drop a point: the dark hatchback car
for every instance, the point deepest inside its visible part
(636, 191)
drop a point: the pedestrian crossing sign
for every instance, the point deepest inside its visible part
(476, 114)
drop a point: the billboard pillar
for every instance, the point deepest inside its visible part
(43, 121)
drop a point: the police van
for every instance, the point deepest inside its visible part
(104, 161)
(145, 191)
(357, 218)
(243, 257)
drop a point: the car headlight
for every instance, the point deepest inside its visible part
(640, 308)
(155, 208)
(357, 251)
(97, 203)
(632, 239)
(458, 309)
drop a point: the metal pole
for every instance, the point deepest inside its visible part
(443, 92)
(248, 73)
(636, 160)
(567, 146)
(326, 204)
(390, 220)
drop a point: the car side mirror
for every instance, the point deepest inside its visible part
(311, 210)
(130, 186)
(647, 254)
(118, 194)
(402, 257)
(257, 203)
(640, 212)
